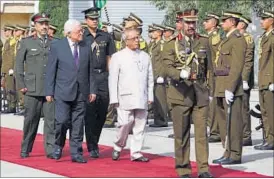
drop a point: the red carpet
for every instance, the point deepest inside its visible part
(159, 166)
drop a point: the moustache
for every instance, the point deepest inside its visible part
(191, 29)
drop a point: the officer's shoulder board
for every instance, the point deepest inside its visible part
(238, 35)
(248, 38)
(216, 38)
(203, 36)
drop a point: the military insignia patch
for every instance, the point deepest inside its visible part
(248, 39)
(216, 39)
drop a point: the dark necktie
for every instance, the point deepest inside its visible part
(75, 54)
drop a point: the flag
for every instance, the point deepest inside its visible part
(101, 4)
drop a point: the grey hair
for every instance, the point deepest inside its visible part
(70, 25)
(126, 32)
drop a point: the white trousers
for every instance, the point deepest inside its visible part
(128, 120)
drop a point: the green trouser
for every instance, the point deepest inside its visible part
(266, 99)
(246, 116)
(111, 115)
(160, 108)
(234, 150)
(212, 121)
(10, 91)
(33, 107)
(181, 125)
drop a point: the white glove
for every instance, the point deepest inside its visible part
(210, 98)
(245, 85)
(184, 74)
(229, 96)
(160, 80)
(271, 87)
(10, 72)
(109, 28)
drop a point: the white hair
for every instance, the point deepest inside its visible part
(127, 32)
(70, 25)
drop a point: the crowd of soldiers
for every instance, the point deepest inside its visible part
(201, 79)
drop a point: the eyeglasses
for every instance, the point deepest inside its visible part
(133, 38)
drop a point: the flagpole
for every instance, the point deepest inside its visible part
(94, 3)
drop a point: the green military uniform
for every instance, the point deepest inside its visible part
(214, 39)
(248, 77)
(229, 63)
(1, 46)
(266, 79)
(31, 62)
(188, 97)
(8, 70)
(160, 108)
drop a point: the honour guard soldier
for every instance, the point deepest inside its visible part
(179, 24)
(160, 108)
(228, 91)
(266, 78)
(187, 66)
(7, 80)
(31, 62)
(248, 78)
(52, 30)
(211, 22)
(102, 47)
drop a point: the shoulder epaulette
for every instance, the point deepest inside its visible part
(237, 34)
(216, 38)
(203, 35)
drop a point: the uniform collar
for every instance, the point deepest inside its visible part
(267, 33)
(230, 32)
(87, 32)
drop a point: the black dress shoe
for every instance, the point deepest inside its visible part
(158, 125)
(258, 147)
(57, 154)
(50, 156)
(230, 161)
(171, 136)
(219, 160)
(140, 159)
(24, 155)
(214, 139)
(247, 142)
(185, 176)
(78, 159)
(205, 175)
(94, 153)
(115, 155)
(265, 146)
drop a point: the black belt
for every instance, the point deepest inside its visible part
(99, 71)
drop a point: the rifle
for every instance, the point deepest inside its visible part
(3, 101)
(258, 116)
(228, 127)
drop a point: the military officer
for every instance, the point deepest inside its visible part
(52, 30)
(112, 113)
(19, 33)
(187, 66)
(160, 108)
(102, 47)
(266, 78)
(248, 78)
(229, 63)
(210, 23)
(7, 81)
(31, 62)
(168, 31)
(179, 24)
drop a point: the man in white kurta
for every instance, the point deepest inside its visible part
(131, 90)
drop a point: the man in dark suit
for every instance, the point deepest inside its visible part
(70, 82)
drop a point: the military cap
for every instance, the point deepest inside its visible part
(168, 27)
(211, 15)
(20, 27)
(104, 24)
(158, 27)
(266, 14)
(117, 28)
(179, 15)
(84, 24)
(135, 18)
(150, 28)
(9, 27)
(190, 15)
(40, 17)
(245, 19)
(230, 14)
(92, 12)
(52, 26)
(132, 24)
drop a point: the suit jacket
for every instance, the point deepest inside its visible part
(266, 61)
(131, 79)
(63, 78)
(31, 62)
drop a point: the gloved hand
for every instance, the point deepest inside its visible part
(10, 72)
(229, 96)
(160, 80)
(210, 98)
(271, 87)
(184, 74)
(110, 28)
(245, 85)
